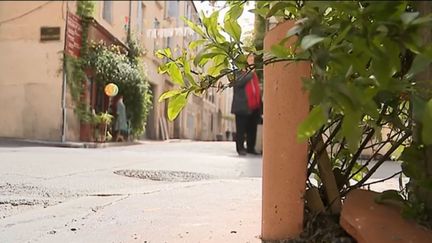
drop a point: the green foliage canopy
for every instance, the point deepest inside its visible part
(113, 66)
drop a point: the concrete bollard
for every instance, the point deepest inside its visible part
(284, 158)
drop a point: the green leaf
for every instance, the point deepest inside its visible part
(280, 5)
(419, 106)
(391, 195)
(412, 157)
(196, 43)
(310, 40)
(426, 131)
(398, 152)
(313, 122)
(341, 36)
(422, 20)
(191, 79)
(212, 27)
(280, 51)
(420, 62)
(408, 17)
(176, 105)
(159, 54)
(204, 56)
(233, 29)
(169, 94)
(163, 68)
(241, 61)
(235, 12)
(194, 27)
(351, 129)
(175, 74)
(186, 67)
(296, 29)
(262, 12)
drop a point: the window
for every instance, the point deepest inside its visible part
(107, 11)
(156, 25)
(172, 8)
(168, 42)
(140, 17)
(189, 11)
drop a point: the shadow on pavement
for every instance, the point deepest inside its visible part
(13, 143)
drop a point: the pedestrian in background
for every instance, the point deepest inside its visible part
(120, 125)
(246, 106)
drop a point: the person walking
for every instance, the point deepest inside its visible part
(246, 106)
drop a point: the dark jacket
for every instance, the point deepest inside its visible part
(240, 104)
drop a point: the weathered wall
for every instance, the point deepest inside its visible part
(30, 84)
(32, 88)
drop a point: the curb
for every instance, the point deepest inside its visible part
(73, 144)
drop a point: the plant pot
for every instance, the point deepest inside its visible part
(102, 129)
(85, 132)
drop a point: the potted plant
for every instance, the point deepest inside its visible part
(101, 122)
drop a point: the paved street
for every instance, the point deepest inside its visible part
(50, 194)
(177, 191)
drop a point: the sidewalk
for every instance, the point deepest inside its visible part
(16, 142)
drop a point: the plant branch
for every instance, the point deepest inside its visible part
(321, 150)
(363, 145)
(382, 180)
(382, 160)
(357, 154)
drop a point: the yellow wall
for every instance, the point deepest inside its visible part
(30, 85)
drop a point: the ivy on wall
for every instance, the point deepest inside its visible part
(75, 66)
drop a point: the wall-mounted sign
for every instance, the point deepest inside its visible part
(73, 35)
(49, 33)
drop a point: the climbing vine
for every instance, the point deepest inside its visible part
(75, 67)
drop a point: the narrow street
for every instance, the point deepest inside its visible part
(178, 191)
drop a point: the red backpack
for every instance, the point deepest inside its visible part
(253, 93)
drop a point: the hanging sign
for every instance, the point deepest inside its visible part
(73, 34)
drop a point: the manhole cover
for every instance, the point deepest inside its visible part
(164, 175)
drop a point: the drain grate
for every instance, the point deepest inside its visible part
(164, 175)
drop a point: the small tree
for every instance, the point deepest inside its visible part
(365, 57)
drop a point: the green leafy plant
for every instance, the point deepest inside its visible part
(365, 56)
(128, 73)
(103, 118)
(100, 122)
(110, 65)
(75, 66)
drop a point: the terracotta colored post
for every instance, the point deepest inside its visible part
(284, 158)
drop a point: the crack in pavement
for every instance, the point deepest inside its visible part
(124, 196)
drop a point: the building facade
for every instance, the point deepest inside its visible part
(33, 98)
